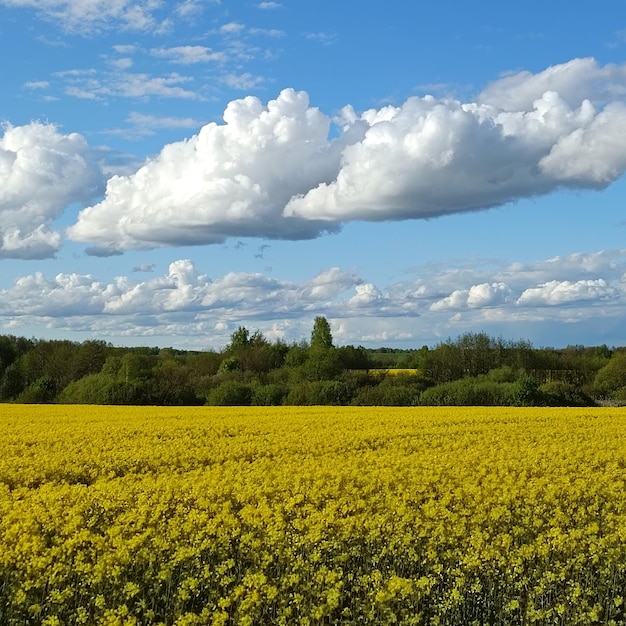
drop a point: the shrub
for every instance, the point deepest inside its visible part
(269, 395)
(321, 392)
(470, 392)
(387, 395)
(559, 393)
(230, 393)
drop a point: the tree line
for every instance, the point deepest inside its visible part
(473, 369)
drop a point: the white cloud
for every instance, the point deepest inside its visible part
(147, 124)
(432, 157)
(229, 180)
(322, 37)
(557, 292)
(592, 154)
(328, 284)
(232, 28)
(269, 32)
(123, 63)
(124, 48)
(242, 81)
(37, 84)
(269, 5)
(189, 8)
(486, 294)
(273, 170)
(127, 85)
(184, 301)
(41, 172)
(574, 81)
(477, 296)
(187, 55)
(87, 16)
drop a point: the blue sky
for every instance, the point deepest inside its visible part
(170, 171)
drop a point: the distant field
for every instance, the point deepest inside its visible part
(394, 371)
(312, 515)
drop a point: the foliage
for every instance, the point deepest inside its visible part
(612, 376)
(319, 392)
(272, 394)
(559, 393)
(230, 393)
(316, 372)
(321, 336)
(527, 392)
(477, 391)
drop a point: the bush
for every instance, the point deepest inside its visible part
(504, 374)
(387, 395)
(470, 392)
(230, 393)
(322, 392)
(559, 393)
(104, 389)
(611, 377)
(269, 395)
(527, 392)
(42, 391)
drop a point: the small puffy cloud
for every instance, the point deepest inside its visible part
(189, 8)
(367, 293)
(370, 300)
(66, 294)
(328, 284)
(96, 15)
(181, 290)
(608, 264)
(37, 84)
(456, 300)
(42, 171)
(142, 125)
(242, 81)
(486, 295)
(478, 296)
(269, 5)
(123, 63)
(184, 302)
(322, 37)
(556, 292)
(129, 85)
(277, 170)
(232, 28)
(269, 32)
(187, 55)
(89, 84)
(124, 48)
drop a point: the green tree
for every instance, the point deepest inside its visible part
(321, 336)
(239, 341)
(611, 377)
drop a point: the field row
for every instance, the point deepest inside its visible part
(312, 515)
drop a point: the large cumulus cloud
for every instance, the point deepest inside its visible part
(42, 171)
(230, 180)
(282, 170)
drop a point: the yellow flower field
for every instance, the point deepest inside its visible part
(311, 515)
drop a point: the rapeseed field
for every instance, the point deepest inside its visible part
(312, 515)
